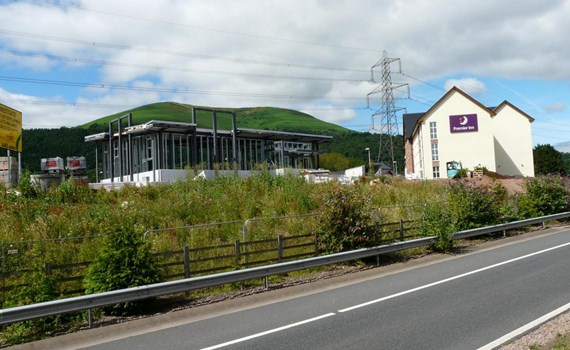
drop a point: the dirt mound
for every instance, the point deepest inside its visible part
(512, 185)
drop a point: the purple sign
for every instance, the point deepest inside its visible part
(463, 123)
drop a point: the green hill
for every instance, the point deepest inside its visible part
(264, 118)
(65, 142)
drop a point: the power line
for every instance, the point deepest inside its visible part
(144, 66)
(169, 52)
(423, 82)
(216, 30)
(169, 90)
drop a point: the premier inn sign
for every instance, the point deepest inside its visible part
(463, 123)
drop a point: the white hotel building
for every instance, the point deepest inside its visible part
(459, 128)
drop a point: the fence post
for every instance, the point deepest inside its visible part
(48, 268)
(237, 253)
(317, 244)
(245, 239)
(401, 230)
(3, 274)
(186, 252)
(279, 248)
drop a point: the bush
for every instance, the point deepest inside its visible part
(39, 288)
(438, 222)
(125, 261)
(473, 206)
(465, 207)
(347, 221)
(544, 196)
(26, 187)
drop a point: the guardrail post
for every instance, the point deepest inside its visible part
(186, 252)
(90, 318)
(48, 268)
(279, 248)
(401, 230)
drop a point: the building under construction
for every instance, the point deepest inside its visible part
(164, 151)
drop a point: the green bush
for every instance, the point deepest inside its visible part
(125, 261)
(544, 195)
(39, 288)
(472, 206)
(438, 222)
(465, 207)
(347, 222)
(26, 187)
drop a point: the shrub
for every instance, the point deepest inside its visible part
(347, 221)
(544, 196)
(472, 206)
(39, 288)
(438, 222)
(27, 188)
(125, 261)
(465, 207)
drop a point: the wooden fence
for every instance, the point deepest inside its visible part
(192, 262)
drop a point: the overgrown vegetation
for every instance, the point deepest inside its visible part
(72, 224)
(124, 261)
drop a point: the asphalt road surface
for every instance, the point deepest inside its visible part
(463, 302)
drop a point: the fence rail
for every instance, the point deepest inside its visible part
(86, 302)
(197, 261)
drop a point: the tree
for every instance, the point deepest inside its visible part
(547, 160)
(334, 161)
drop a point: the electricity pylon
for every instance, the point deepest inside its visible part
(388, 126)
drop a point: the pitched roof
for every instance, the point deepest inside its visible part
(507, 103)
(410, 120)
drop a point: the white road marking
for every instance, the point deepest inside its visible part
(487, 347)
(269, 332)
(527, 327)
(450, 279)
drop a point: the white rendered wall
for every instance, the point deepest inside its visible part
(470, 148)
(513, 142)
(419, 155)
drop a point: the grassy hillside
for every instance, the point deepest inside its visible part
(64, 142)
(265, 118)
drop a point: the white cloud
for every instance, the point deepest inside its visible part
(555, 107)
(228, 53)
(471, 86)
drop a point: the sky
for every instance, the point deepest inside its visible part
(67, 62)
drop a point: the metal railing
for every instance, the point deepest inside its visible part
(88, 302)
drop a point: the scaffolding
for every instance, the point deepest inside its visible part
(127, 150)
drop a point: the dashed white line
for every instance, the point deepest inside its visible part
(450, 279)
(487, 347)
(257, 335)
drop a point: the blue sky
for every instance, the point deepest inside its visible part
(66, 62)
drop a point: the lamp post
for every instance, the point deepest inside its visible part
(369, 161)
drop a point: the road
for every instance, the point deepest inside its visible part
(464, 302)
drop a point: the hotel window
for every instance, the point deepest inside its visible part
(436, 172)
(433, 130)
(434, 152)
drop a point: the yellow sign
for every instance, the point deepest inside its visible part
(10, 129)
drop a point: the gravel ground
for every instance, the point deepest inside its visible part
(545, 336)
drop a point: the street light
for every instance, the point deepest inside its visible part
(369, 161)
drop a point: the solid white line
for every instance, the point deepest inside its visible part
(268, 332)
(525, 328)
(450, 279)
